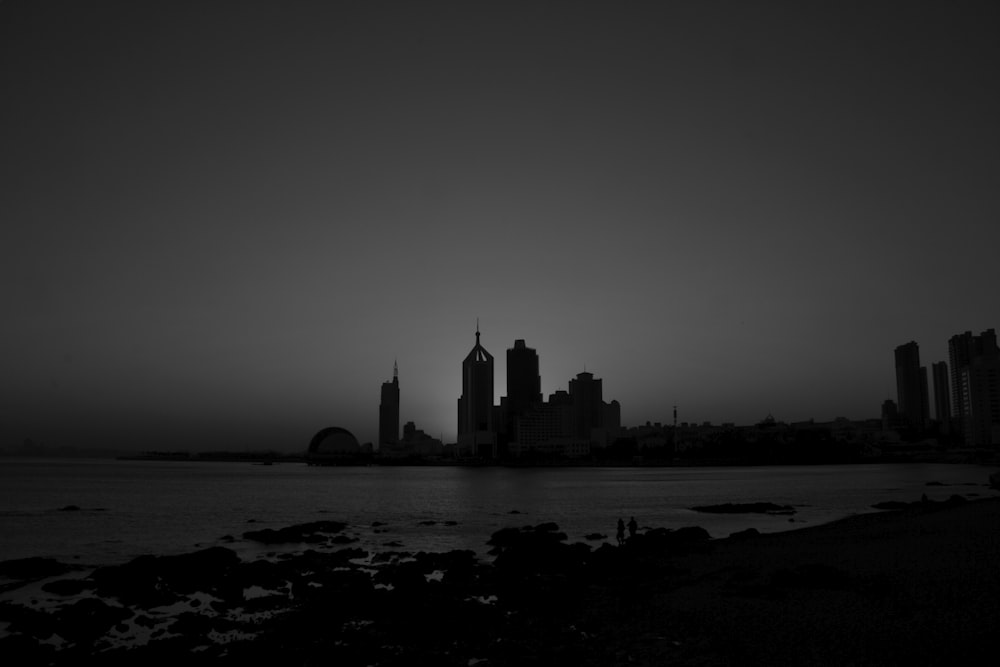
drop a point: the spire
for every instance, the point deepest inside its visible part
(395, 371)
(477, 331)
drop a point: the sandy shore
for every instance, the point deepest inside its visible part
(916, 586)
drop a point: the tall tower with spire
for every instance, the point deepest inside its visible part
(476, 431)
(388, 410)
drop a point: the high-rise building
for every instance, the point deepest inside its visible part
(524, 387)
(911, 386)
(586, 393)
(476, 431)
(524, 384)
(962, 350)
(388, 410)
(975, 371)
(942, 401)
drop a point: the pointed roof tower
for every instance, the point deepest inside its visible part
(478, 353)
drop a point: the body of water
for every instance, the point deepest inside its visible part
(128, 508)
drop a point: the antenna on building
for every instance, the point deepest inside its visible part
(675, 416)
(395, 370)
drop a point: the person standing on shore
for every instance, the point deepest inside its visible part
(621, 532)
(632, 527)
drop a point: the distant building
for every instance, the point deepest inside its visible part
(971, 389)
(585, 392)
(524, 384)
(415, 443)
(890, 415)
(942, 399)
(333, 446)
(476, 431)
(388, 411)
(911, 386)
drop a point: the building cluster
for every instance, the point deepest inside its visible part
(966, 391)
(523, 426)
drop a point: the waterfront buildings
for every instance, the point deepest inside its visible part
(975, 386)
(477, 437)
(911, 386)
(388, 411)
(942, 401)
(975, 373)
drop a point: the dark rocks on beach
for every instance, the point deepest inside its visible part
(33, 568)
(595, 536)
(88, 619)
(954, 499)
(893, 505)
(67, 586)
(70, 508)
(312, 532)
(811, 576)
(745, 534)
(745, 508)
(153, 580)
(663, 541)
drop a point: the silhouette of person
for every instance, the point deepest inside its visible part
(621, 532)
(632, 527)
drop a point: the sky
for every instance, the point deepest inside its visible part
(223, 222)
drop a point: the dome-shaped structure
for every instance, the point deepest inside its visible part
(334, 440)
(335, 446)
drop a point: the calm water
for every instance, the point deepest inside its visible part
(135, 507)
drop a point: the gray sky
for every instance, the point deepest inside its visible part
(222, 223)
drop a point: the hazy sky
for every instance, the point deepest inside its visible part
(222, 222)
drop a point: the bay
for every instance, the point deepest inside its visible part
(129, 508)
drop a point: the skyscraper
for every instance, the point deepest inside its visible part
(588, 402)
(476, 432)
(524, 384)
(975, 372)
(911, 386)
(388, 410)
(962, 350)
(942, 402)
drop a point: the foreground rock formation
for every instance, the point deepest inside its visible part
(915, 586)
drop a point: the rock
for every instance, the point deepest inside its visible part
(595, 536)
(150, 580)
(312, 532)
(33, 568)
(811, 576)
(891, 505)
(67, 586)
(744, 534)
(69, 508)
(88, 619)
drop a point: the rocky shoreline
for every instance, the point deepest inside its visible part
(916, 584)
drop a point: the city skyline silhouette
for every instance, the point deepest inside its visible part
(222, 224)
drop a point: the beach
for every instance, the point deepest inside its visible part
(919, 585)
